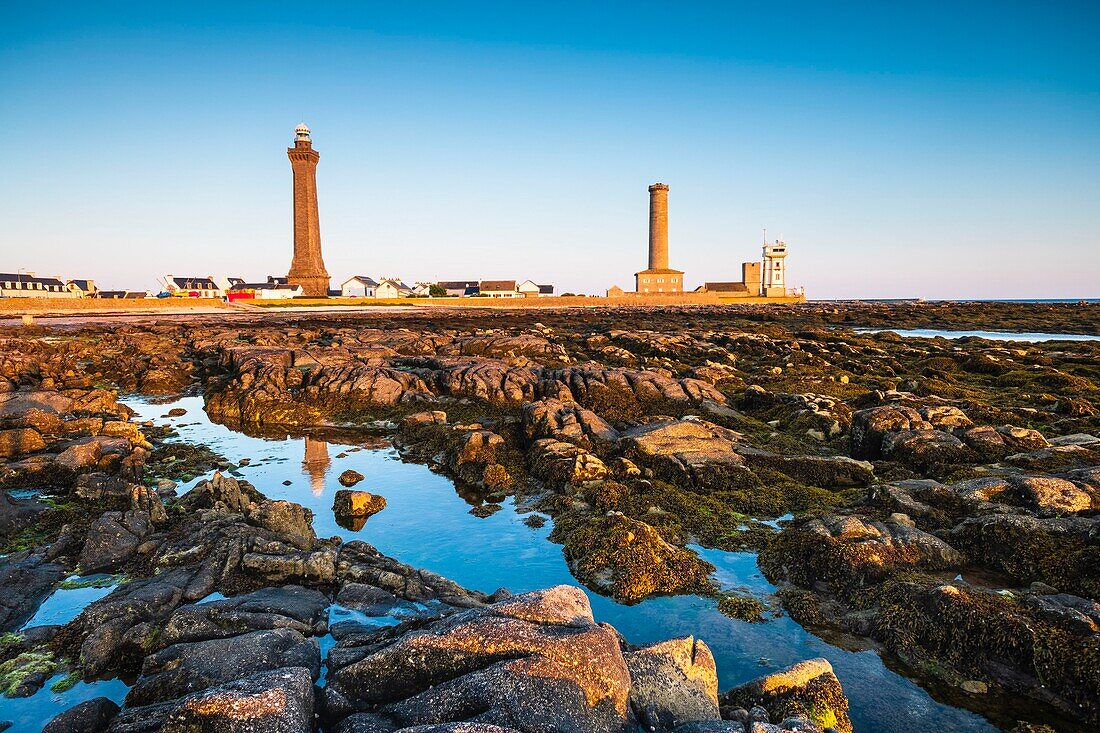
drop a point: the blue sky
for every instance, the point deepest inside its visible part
(902, 149)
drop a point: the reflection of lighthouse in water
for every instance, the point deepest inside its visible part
(316, 463)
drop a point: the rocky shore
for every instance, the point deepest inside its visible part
(945, 498)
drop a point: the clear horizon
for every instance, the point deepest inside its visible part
(943, 151)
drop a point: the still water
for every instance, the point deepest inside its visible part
(1029, 337)
(427, 524)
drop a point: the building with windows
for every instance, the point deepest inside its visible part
(774, 280)
(499, 289)
(531, 289)
(358, 286)
(28, 285)
(194, 287)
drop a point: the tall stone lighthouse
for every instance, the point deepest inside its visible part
(307, 269)
(658, 277)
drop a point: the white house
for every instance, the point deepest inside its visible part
(531, 289)
(194, 287)
(26, 285)
(82, 288)
(499, 289)
(270, 290)
(422, 289)
(359, 286)
(460, 288)
(392, 288)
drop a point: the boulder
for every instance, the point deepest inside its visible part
(80, 456)
(113, 539)
(871, 426)
(26, 578)
(20, 441)
(286, 607)
(360, 504)
(91, 716)
(534, 662)
(1052, 495)
(690, 451)
(286, 518)
(673, 682)
(18, 403)
(851, 551)
(564, 464)
(570, 423)
(275, 701)
(350, 478)
(808, 690)
(223, 491)
(630, 561)
(420, 419)
(184, 668)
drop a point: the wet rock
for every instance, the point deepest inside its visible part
(871, 426)
(630, 561)
(850, 550)
(19, 403)
(276, 701)
(1061, 551)
(181, 669)
(1055, 458)
(925, 448)
(827, 471)
(280, 563)
(807, 690)
(985, 637)
(113, 539)
(1050, 494)
(115, 630)
(350, 478)
(358, 562)
(673, 682)
(26, 578)
(359, 504)
(15, 514)
(564, 464)
(475, 446)
(92, 716)
(224, 491)
(1080, 614)
(286, 518)
(290, 607)
(534, 662)
(826, 415)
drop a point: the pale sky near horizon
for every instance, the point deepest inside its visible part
(933, 149)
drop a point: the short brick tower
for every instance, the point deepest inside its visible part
(307, 269)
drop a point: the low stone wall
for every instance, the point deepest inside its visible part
(44, 306)
(553, 302)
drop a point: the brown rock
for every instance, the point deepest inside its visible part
(20, 441)
(350, 478)
(349, 503)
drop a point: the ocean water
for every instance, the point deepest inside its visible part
(1029, 337)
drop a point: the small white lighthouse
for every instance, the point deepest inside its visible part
(775, 282)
